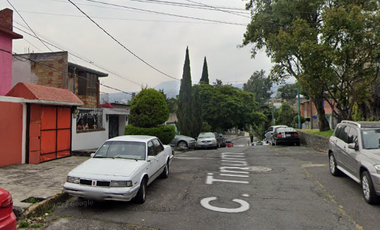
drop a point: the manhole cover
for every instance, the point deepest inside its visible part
(259, 169)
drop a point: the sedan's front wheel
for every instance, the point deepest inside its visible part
(182, 145)
(141, 194)
(369, 193)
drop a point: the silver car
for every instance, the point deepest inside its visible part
(183, 142)
(354, 149)
(206, 140)
(269, 132)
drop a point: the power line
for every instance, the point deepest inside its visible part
(56, 69)
(113, 38)
(167, 14)
(219, 9)
(77, 56)
(28, 25)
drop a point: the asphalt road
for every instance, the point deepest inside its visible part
(260, 187)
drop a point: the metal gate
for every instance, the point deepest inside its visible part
(54, 134)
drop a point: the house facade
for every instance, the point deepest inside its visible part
(53, 69)
(309, 112)
(6, 37)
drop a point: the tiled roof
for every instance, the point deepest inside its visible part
(45, 93)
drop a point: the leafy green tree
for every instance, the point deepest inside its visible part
(224, 107)
(148, 109)
(197, 111)
(287, 91)
(218, 82)
(204, 78)
(286, 114)
(260, 86)
(330, 46)
(171, 102)
(185, 100)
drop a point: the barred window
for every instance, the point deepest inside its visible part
(89, 119)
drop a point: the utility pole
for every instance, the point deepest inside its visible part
(299, 106)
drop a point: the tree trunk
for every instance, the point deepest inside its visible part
(323, 123)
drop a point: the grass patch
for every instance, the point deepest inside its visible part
(317, 132)
(23, 224)
(38, 225)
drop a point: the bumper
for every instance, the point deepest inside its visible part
(98, 193)
(206, 145)
(375, 177)
(9, 223)
(288, 141)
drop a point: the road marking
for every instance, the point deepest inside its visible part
(313, 165)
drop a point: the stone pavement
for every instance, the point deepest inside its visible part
(42, 180)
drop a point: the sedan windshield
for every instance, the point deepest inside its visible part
(206, 135)
(371, 138)
(122, 149)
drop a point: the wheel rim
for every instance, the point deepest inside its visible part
(332, 164)
(366, 189)
(182, 144)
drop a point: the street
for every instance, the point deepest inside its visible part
(260, 187)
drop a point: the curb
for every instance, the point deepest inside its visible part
(40, 208)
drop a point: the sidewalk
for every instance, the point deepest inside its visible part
(43, 180)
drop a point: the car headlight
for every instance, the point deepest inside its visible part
(127, 183)
(377, 167)
(72, 179)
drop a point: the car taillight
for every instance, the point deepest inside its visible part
(296, 135)
(279, 136)
(8, 202)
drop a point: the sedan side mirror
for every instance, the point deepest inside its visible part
(353, 146)
(92, 155)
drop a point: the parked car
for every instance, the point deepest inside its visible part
(183, 142)
(121, 169)
(229, 144)
(285, 135)
(206, 140)
(7, 217)
(354, 149)
(269, 132)
(220, 139)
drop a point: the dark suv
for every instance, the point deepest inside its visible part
(354, 149)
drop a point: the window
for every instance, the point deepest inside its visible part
(122, 149)
(158, 146)
(371, 138)
(87, 84)
(151, 149)
(89, 119)
(352, 136)
(343, 133)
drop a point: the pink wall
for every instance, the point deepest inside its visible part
(5, 64)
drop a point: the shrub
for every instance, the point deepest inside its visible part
(149, 109)
(164, 133)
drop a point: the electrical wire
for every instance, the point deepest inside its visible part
(83, 59)
(56, 69)
(113, 38)
(28, 25)
(219, 9)
(167, 14)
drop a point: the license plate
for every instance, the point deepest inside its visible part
(288, 135)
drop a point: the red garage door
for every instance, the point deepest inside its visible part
(55, 133)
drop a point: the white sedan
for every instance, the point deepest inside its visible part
(121, 169)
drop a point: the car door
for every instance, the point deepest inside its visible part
(154, 163)
(161, 154)
(351, 155)
(342, 146)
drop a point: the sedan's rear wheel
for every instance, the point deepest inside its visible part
(165, 173)
(369, 193)
(333, 166)
(141, 194)
(182, 145)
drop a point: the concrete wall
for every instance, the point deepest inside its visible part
(93, 139)
(316, 142)
(5, 64)
(12, 131)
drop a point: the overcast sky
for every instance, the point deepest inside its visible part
(156, 31)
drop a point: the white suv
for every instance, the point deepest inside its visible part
(354, 149)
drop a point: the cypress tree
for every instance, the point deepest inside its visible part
(204, 78)
(185, 102)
